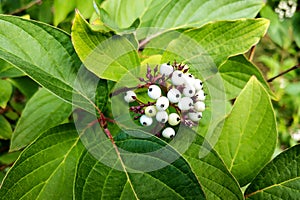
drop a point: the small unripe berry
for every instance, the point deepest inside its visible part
(200, 95)
(145, 120)
(166, 69)
(198, 84)
(189, 91)
(185, 103)
(154, 92)
(195, 116)
(174, 95)
(168, 132)
(199, 106)
(174, 119)
(178, 78)
(162, 116)
(130, 96)
(150, 111)
(162, 103)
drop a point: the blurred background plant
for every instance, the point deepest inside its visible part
(278, 51)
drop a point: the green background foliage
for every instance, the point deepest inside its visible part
(58, 70)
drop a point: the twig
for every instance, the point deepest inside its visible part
(284, 72)
(26, 7)
(252, 51)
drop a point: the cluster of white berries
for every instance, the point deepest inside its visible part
(286, 9)
(176, 96)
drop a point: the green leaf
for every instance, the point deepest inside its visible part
(249, 134)
(6, 91)
(9, 158)
(5, 128)
(217, 182)
(139, 165)
(102, 54)
(122, 14)
(42, 111)
(279, 179)
(236, 72)
(47, 168)
(62, 9)
(210, 45)
(279, 30)
(7, 70)
(174, 14)
(46, 54)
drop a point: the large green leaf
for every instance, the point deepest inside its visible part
(249, 134)
(46, 54)
(145, 159)
(280, 179)
(47, 168)
(174, 14)
(236, 72)
(209, 46)
(7, 70)
(42, 111)
(107, 56)
(6, 91)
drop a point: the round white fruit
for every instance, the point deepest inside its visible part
(189, 91)
(174, 95)
(185, 103)
(195, 116)
(162, 116)
(199, 106)
(198, 84)
(166, 69)
(145, 120)
(178, 78)
(168, 132)
(130, 96)
(174, 119)
(162, 103)
(154, 92)
(200, 95)
(150, 111)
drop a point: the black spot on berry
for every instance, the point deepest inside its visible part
(177, 95)
(144, 123)
(199, 116)
(178, 119)
(162, 105)
(190, 104)
(163, 120)
(150, 111)
(179, 75)
(191, 91)
(150, 89)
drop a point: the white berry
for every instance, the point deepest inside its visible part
(189, 79)
(168, 132)
(162, 116)
(178, 78)
(174, 119)
(198, 84)
(166, 69)
(185, 103)
(199, 106)
(195, 116)
(162, 103)
(189, 91)
(200, 95)
(130, 96)
(154, 92)
(145, 120)
(174, 95)
(150, 111)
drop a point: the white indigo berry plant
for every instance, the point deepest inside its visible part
(157, 100)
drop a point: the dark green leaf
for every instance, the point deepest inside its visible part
(280, 179)
(47, 168)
